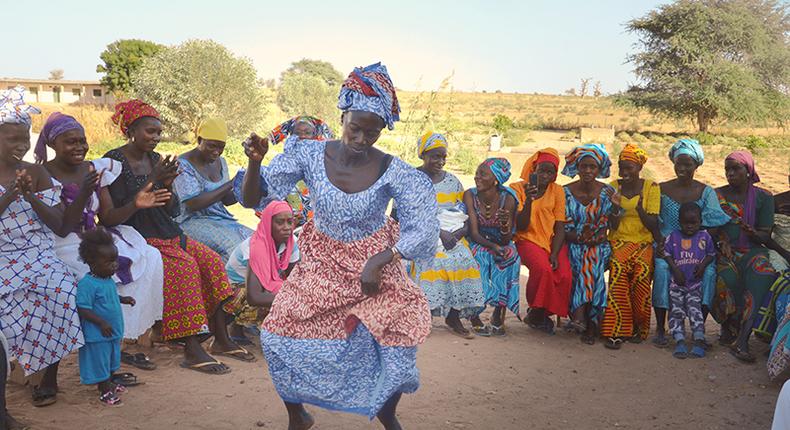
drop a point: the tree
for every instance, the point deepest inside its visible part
(711, 59)
(121, 59)
(307, 94)
(597, 89)
(322, 69)
(56, 75)
(198, 79)
(584, 87)
(570, 92)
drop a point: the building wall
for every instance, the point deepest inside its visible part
(65, 93)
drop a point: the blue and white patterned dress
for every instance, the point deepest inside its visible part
(326, 343)
(38, 311)
(212, 226)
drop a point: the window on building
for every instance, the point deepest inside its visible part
(32, 90)
(97, 93)
(76, 91)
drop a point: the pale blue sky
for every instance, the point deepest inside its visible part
(524, 46)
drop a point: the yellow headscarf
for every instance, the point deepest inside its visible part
(632, 152)
(213, 129)
(549, 155)
(430, 140)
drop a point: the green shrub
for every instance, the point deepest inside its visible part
(502, 123)
(755, 143)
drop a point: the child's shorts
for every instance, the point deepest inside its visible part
(98, 360)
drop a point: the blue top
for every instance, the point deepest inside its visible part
(350, 217)
(191, 183)
(712, 213)
(100, 295)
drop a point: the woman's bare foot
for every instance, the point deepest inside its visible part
(298, 417)
(195, 354)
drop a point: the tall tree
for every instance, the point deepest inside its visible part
(322, 69)
(307, 94)
(121, 59)
(713, 59)
(199, 79)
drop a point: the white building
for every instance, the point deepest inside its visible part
(61, 91)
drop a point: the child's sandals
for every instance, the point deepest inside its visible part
(110, 398)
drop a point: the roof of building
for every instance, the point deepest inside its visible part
(49, 81)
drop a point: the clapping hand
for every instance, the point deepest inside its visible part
(127, 300)
(166, 170)
(256, 147)
(148, 198)
(24, 183)
(91, 181)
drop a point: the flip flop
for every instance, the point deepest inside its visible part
(240, 354)
(202, 367)
(126, 379)
(463, 333)
(497, 330)
(613, 343)
(660, 341)
(138, 360)
(635, 339)
(482, 330)
(697, 352)
(742, 355)
(44, 396)
(681, 351)
(110, 398)
(587, 339)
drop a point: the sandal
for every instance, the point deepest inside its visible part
(203, 367)
(497, 330)
(44, 396)
(577, 326)
(120, 389)
(613, 343)
(741, 355)
(482, 330)
(697, 352)
(139, 360)
(126, 379)
(635, 339)
(461, 332)
(681, 351)
(660, 341)
(587, 339)
(239, 353)
(110, 399)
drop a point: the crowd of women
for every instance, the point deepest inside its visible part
(339, 316)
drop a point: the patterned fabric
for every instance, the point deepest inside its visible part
(589, 262)
(38, 311)
(749, 210)
(743, 281)
(429, 141)
(632, 152)
(668, 221)
(779, 358)
(500, 168)
(688, 147)
(286, 129)
(547, 289)
(13, 109)
(499, 275)
(330, 345)
(545, 212)
(213, 129)
(774, 303)
(130, 111)
(370, 89)
(631, 228)
(451, 280)
(781, 235)
(628, 296)
(351, 217)
(594, 150)
(195, 285)
(686, 303)
(56, 124)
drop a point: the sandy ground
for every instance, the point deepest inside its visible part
(525, 380)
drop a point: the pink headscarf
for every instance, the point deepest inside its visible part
(264, 261)
(750, 205)
(745, 158)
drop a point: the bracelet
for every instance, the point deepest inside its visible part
(396, 255)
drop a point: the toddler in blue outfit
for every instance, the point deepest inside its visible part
(99, 308)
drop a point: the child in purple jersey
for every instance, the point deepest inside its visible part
(688, 252)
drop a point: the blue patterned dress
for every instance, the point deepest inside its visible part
(588, 263)
(325, 342)
(212, 226)
(38, 310)
(498, 276)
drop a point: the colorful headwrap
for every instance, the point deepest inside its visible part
(545, 155)
(56, 124)
(130, 111)
(632, 152)
(500, 167)
(688, 147)
(594, 150)
(213, 129)
(13, 109)
(745, 158)
(282, 131)
(370, 89)
(264, 260)
(430, 140)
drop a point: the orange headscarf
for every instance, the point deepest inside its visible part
(545, 155)
(634, 153)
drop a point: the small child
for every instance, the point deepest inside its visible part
(688, 252)
(99, 308)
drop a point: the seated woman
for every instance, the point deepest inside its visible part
(451, 280)
(627, 315)
(590, 206)
(686, 156)
(540, 239)
(205, 188)
(38, 292)
(140, 265)
(273, 254)
(744, 272)
(774, 318)
(277, 221)
(492, 210)
(195, 284)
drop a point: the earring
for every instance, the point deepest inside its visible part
(132, 139)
